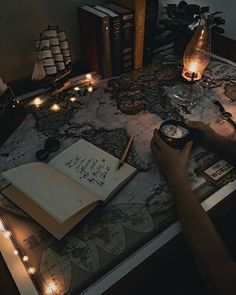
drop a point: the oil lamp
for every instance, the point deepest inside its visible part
(195, 60)
(198, 51)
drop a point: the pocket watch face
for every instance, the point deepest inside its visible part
(174, 131)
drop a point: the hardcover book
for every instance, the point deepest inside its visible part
(127, 35)
(61, 193)
(94, 28)
(139, 8)
(115, 33)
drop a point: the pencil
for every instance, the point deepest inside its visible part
(125, 153)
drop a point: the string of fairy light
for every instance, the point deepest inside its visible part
(5, 230)
(55, 107)
(50, 287)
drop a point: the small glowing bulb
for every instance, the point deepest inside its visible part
(72, 99)
(7, 234)
(76, 88)
(25, 258)
(13, 106)
(31, 270)
(55, 107)
(88, 76)
(37, 102)
(15, 252)
(90, 89)
(51, 288)
(2, 227)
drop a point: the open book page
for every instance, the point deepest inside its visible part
(93, 168)
(56, 193)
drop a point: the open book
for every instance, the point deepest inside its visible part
(61, 193)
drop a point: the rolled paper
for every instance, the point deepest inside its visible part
(58, 57)
(55, 49)
(48, 62)
(50, 70)
(54, 41)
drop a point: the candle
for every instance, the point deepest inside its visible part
(55, 108)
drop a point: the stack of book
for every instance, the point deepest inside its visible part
(118, 37)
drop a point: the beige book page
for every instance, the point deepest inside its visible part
(56, 193)
(92, 167)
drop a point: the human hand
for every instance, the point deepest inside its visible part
(172, 162)
(206, 135)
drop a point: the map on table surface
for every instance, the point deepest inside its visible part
(133, 104)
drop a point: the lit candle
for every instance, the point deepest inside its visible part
(55, 108)
(37, 102)
(72, 99)
(76, 88)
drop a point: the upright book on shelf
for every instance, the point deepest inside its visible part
(94, 28)
(58, 195)
(127, 35)
(139, 9)
(115, 35)
(150, 30)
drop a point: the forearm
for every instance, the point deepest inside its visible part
(208, 249)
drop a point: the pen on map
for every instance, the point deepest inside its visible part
(125, 153)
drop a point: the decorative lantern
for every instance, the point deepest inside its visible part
(198, 51)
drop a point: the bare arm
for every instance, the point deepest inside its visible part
(212, 258)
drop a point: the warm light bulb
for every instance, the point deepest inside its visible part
(7, 234)
(1, 226)
(88, 76)
(31, 270)
(37, 102)
(76, 88)
(72, 99)
(25, 258)
(90, 89)
(15, 252)
(51, 288)
(55, 108)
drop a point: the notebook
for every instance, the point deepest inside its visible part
(58, 195)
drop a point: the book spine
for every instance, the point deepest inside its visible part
(116, 50)
(106, 62)
(150, 30)
(140, 12)
(127, 42)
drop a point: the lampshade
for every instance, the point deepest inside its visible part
(198, 51)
